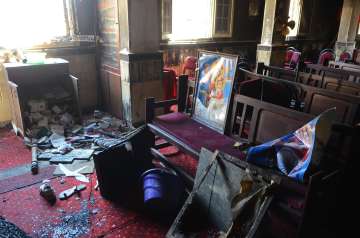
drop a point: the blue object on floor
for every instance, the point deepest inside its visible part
(163, 191)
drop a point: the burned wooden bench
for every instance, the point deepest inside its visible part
(251, 121)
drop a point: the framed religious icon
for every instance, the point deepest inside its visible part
(214, 83)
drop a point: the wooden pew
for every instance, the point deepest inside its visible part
(348, 75)
(317, 100)
(331, 83)
(276, 72)
(258, 121)
(313, 79)
(344, 66)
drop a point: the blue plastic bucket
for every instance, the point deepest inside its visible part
(163, 191)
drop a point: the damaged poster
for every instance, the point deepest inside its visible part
(297, 153)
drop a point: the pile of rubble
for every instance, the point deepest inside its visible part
(60, 139)
(52, 113)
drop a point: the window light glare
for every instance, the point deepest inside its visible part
(26, 23)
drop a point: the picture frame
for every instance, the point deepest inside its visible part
(213, 89)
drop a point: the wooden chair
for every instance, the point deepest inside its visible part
(345, 56)
(325, 56)
(294, 61)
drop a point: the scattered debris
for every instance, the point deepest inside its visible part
(94, 211)
(47, 192)
(60, 140)
(76, 173)
(37, 105)
(77, 165)
(71, 226)
(98, 114)
(66, 119)
(61, 210)
(57, 140)
(56, 109)
(62, 180)
(106, 142)
(71, 191)
(96, 187)
(34, 162)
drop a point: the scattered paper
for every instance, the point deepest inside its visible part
(75, 173)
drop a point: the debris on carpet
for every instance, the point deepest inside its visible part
(64, 141)
(72, 225)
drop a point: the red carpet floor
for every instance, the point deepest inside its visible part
(86, 216)
(13, 152)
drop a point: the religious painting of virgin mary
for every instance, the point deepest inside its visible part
(215, 80)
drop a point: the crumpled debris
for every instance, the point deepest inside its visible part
(65, 148)
(60, 140)
(107, 142)
(37, 105)
(56, 109)
(47, 192)
(66, 119)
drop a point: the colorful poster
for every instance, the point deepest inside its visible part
(297, 153)
(214, 87)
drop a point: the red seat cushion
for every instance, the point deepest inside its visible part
(196, 135)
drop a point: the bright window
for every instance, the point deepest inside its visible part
(200, 19)
(25, 23)
(295, 15)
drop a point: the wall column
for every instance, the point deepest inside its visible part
(348, 27)
(271, 49)
(140, 58)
